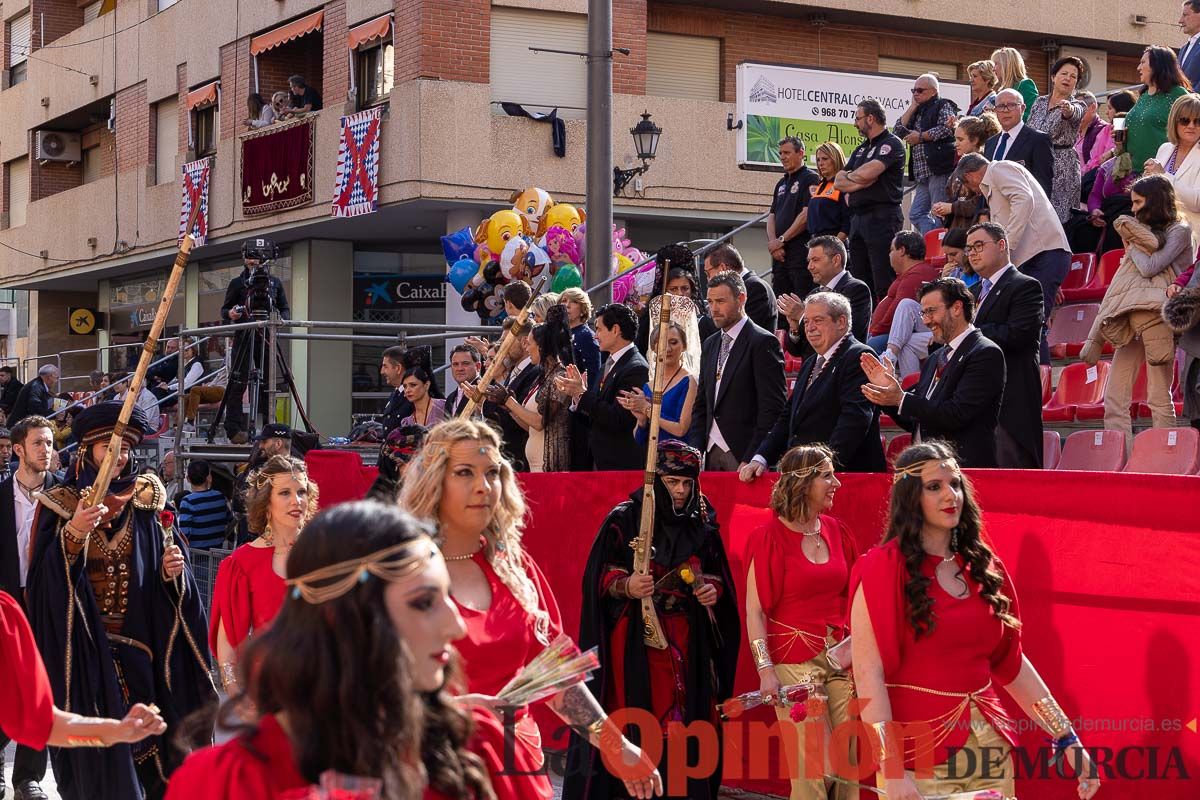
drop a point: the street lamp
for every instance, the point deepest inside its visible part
(645, 141)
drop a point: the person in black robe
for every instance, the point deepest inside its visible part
(684, 682)
(116, 614)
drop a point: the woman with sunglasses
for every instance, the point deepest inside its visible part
(1178, 160)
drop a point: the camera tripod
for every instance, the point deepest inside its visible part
(261, 342)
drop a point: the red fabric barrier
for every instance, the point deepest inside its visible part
(1106, 565)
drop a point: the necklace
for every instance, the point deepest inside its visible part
(467, 556)
(26, 490)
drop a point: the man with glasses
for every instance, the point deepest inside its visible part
(1020, 143)
(958, 396)
(927, 129)
(873, 179)
(787, 224)
(1009, 312)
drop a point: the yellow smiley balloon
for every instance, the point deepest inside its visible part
(564, 215)
(498, 229)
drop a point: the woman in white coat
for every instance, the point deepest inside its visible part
(1178, 160)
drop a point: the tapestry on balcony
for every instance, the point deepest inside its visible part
(356, 189)
(196, 178)
(277, 167)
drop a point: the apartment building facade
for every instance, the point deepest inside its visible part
(134, 89)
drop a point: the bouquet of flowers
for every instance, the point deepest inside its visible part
(560, 666)
(804, 699)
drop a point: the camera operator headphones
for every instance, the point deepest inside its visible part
(262, 249)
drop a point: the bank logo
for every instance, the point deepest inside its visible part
(763, 91)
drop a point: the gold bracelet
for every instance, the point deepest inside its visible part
(596, 729)
(762, 657)
(1051, 717)
(228, 674)
(84, 741)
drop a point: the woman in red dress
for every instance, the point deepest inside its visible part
(936, 627)
(464, 484)
(28, 715)
(355, 677)
(796, 598)
(280, 499)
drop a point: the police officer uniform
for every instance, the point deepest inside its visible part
(790, 198)
(875, 215)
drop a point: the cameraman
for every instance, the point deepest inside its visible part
(255, 291)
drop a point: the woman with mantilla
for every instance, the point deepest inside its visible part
(116, 612)
(693, 595)
(462, 483)
(935, 630)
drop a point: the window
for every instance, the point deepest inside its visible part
(92, 158)
(540, 81)
(912, 68)
(91, 11)
(166, 139)
(374, 74)
(683, 66)
(204, 127)
(18, 191)
(19, 43)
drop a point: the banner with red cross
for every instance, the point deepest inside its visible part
(196, 179)
(356, 189)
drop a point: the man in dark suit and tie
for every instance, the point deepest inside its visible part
(624, 369)
(521, 380)
(827, 264)
(465, 362)
(760, 297)
(958, 396)
(827, 404)
(1010, 314)
(1189, 54)
(742, 387)
(1019, 142)
(33, 441)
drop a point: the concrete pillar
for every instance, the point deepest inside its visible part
(329, 278)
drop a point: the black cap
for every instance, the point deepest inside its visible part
(276, 430)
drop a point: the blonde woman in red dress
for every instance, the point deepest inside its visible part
(796, 598)
(936, 629)
(465, 486)
(280, 499)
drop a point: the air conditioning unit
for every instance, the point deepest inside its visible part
(59, 146)
(1095, 67)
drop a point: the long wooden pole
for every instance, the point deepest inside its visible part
(652, 630)
(506, 344)
(99, 489)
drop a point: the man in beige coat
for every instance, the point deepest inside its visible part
(1017, 202)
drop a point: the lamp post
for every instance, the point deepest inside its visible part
(645, 141)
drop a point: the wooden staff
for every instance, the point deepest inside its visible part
(506, 344)
(642, 546)
(100, 488)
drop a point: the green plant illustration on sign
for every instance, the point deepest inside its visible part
(763, 135)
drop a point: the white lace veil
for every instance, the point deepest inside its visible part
(683, 314)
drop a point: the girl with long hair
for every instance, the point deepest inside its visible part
(962, 208)
(1163, 82)
(280, 500)
(463, 485)
(1010, 71)
(681, 361)
(935, 628)
(796, 586)
(417, 386)
(357, 675)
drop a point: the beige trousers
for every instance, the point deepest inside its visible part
(840, 690)
(1119, 391)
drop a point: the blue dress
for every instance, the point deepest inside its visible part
(672, 410)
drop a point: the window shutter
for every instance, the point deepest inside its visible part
(683, 66)
(19, 41)
(946, 71)
(539, 81)
(91, 12)
(18, 191)
(166, 139)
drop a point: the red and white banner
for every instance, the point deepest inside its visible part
(356, 189)
(196, 179)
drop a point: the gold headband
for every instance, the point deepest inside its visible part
(261, 479)
(914, 469)
(803, 472)
(333, 581)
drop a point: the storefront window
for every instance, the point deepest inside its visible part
(132, 304)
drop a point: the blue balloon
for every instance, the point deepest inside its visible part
(458, 244)
(461, 272)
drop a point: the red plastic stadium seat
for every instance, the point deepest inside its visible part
(1083, 267)
(933, 242)
(1093, 451)
(910, 380)
(1168, 451)
(1069, 328)
(937, 261)
(1046, 382)
(1102, 277)
(1051, 449)
(1079, 384)
(791, 364)
(896, 446)
(791, 384)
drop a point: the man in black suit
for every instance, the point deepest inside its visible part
(520, 381)
(33, 439)
(958, 396)
(1019, 142)
(1189, 54)
(37, 396)
(742, 387)
(611, 436)
(827, 265)
(1010, 314)
(827, 404)
(464, 368)
(760, 297)
(391, 369)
